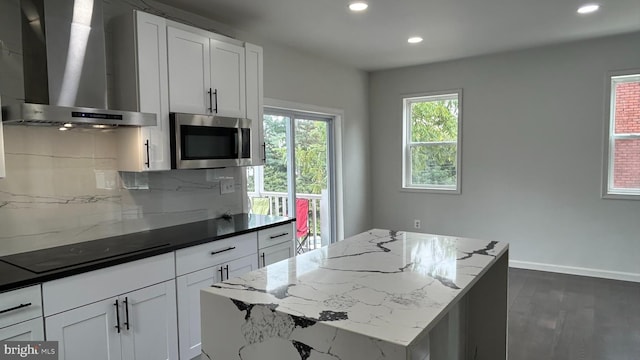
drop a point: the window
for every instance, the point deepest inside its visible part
(622, 155)
(431, 142)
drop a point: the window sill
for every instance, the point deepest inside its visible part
(621, 196)
(430, 190)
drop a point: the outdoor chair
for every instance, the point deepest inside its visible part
(260, 206)
(303, 231)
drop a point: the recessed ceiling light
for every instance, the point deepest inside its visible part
(588, 8)
(358, 6)
(415, 40)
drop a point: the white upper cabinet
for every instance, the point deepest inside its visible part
(228, 79)
(142, 82)
(255, 104)
(206, 74)
(189, 72)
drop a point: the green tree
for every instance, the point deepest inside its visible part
(275, 170)
(434, 130)
(311, 155)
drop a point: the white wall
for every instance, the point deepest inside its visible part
(532, 151)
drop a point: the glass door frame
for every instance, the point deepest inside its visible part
(292, 115)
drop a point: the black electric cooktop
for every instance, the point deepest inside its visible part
(61, 257)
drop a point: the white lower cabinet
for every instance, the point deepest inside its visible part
(25, 331)
(126, 311)
(275, 253)
(188, 288)
(87, 332)
(276, 244)
(189, 309)
(21, 314)
(139, 325)
(149, 326)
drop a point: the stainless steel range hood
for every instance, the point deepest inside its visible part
(64, 67)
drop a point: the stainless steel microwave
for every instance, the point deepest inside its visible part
(207, 141)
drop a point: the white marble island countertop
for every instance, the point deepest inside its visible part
(389, 287)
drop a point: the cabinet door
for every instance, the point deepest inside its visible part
(189, 72)
(189, 287)
(87, 332)
(153, 88)
(31, 330)
(276, 253)
(227, 78)
(255, 102)
(152, 327)
(239, 267)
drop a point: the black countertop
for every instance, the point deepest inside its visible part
(124, 248)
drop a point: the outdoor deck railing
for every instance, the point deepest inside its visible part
(279, 205)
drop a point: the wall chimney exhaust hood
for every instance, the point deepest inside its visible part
(64, 67)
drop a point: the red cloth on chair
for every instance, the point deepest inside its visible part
(302, 217)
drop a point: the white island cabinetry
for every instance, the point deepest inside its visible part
(379, 295)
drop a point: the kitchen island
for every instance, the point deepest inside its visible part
(378, 295)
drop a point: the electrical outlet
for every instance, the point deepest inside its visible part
(416, 224)
(227, 187)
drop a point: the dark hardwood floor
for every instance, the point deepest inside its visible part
(565, 317)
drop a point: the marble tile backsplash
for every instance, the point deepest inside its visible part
(64, 187)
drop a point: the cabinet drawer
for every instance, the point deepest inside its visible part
(74, 291)
(215, 252)
(20, 305)
(275, 235)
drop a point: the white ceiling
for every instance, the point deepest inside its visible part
(377, 38)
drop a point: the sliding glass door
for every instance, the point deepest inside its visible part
(298, 178)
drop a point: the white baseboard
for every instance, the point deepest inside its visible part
(572, 270)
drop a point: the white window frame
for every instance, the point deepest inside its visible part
(608, 191)
(407, 100)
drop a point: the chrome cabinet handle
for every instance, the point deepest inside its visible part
(227, 268)
(221, 251)
(221, 274)
(117, 316)
(15, 308)
(264, 262)
(277, 236)
(126, 311)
